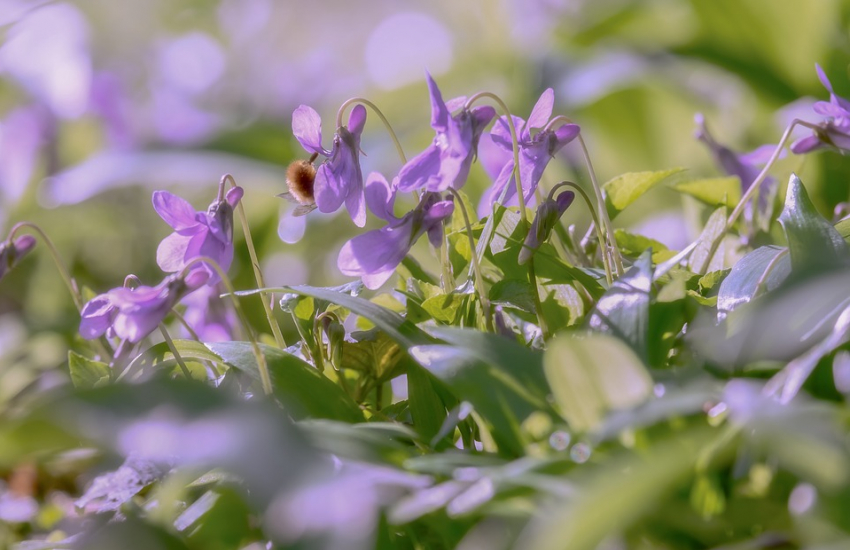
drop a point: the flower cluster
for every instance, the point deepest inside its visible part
(834, 131)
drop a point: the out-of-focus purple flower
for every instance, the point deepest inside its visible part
(208, 315)
(339, 178)
(11, 252)
(735, 164)
(446, 162)
(834, 130)
(535, 151)
(374, 255)
(548, 214)
(22, 134)
(132, 314)
(208, 234)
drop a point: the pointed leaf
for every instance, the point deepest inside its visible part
(86, 373)
(713, 191)
(762, 270)
(623, 190)
(705, 256)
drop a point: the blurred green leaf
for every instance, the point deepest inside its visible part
(713, 191)
(373, 352)
(592, 375)
(705, 256)
(86, 373)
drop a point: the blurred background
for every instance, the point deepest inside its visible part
(103, 102)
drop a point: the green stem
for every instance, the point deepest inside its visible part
(265, 377)
(54, 253)
(255, 264)
(447, 280)
(378, 112)
(532, 278)
(479, 278)
(174, 352)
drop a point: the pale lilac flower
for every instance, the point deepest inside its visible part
(208, 234)
(743, 165)
(339, 178)
(535, 151)
(133, 313)
(208, 315)
(446, 162)
(374, 255)
(548, 214)
(11, 252)
(834, 131)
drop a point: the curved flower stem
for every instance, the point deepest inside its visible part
(479, 278)
(378, 112)
(447, 278)
(174, 352)
(610, 244)
(182, 320)
(523, 213)
(265, 377)
(60, 265)
(255, 264)
(606, 261)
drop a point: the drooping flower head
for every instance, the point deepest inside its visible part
(133, 313)
(548, 214)
(11, 252)
(535, 151)
(743, 165)
(208, 233)
(446, 162)
(374, 255)
(834, 131)
(339, 178)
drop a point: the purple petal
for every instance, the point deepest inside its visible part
(355, 203)
(96, 317)
(823, 78)
(439, 112)
(455, 103)
(564, 201)
(435, 235)
(420, 170)
(176, 249)
(501, 132)
(492, 157)
(564, 135)
(542, 111)
(760, 155)
(176, 212)
(307, 129)
(380, 197)
(826, 108)
(375, 254)
(234, 195)
(806, 145)
(482, 116)
(438, 212)
(23, 245)
(357, 119)
(327, 190)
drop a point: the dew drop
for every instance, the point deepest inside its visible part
(559, 440)
(580, 453)
(802, 498)
(659, 390)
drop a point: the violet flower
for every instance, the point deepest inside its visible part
(374, 255)
(446, 162)
(11, 252)
(834, 131)
(535, 152)
(548, 214)
(209, 316)
(133, 313)
(208, 234)
(743, 165)
(339, 178)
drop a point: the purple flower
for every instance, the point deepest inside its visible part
(446, 162)
(11, 252)
(339, 178)
(132, 314)
(208, 234)
(535, 151)
(735, 164)
(548, 214)
(834, 131)
(374, 255)
(208, 315)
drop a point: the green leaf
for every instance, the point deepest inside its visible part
(110, 490)
(750, 275)
(623, 190)
(304, 391)
(219, 520)
(705, 256)
(502, 380)
(634, 245)
(813, 242)
(624, 309)
(86, 373)
(592, 375)
(713, 191)
(513, 293)
(426, 407)
(374, 352)
(444, 307)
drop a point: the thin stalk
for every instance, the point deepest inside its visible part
(54, 253)
(606, 260)
(532, 278)
(174, 352)
(447, 279)
(378, 112)
(182, 320)
(265, 377)
(255, 264)
(479, 278)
